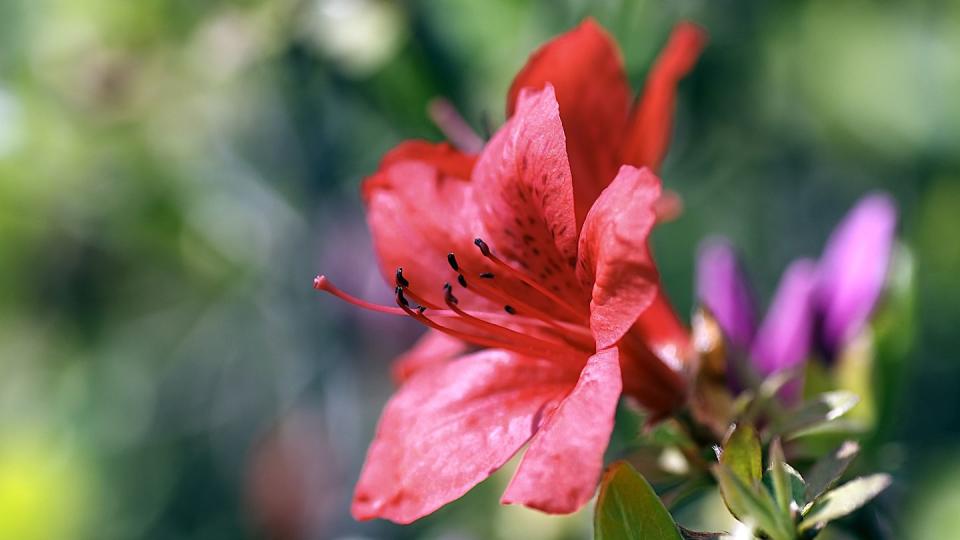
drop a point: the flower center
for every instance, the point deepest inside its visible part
(536, 321)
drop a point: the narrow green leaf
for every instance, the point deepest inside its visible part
(844, 500)
(837, 429)
(797, 485)
(750, 404)
(629, 509)
(697, 535)
(825, 472)
(742, 453)
(779, 477)
(750, 505)
(823, 408)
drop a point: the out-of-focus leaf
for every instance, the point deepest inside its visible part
(844, 500)
(894, 326)
(772, 384)
(749, 404)
(742, 453)
(628, 508)
(835, 430)
(779, 477)
(854, 372)
(825, 472)
(752, 505)
(697, 535)
(817, 379)
(797, 484)
(820, 410)
(670, 433)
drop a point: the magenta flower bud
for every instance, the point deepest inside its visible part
(853, 270)
(784, 339)
(723, 288)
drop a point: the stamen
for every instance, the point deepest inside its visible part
(401, 281)
(577, 334)
(485, 251)
(481, 340)
(322, 283)
(498, 296)
(499, 331)
(448, 295)
(452, 259)
(419, 299)
(400, 298)
(484, 248)
(405, 285)
(462, 281)
(457, 130)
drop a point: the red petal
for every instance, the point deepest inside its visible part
(614, 258)
(432, 348)
(451, 426)
(653, 355)
(419, 208)
(663, 333)
(559, 472)
(585, 69)
(523, 188)
(448, 160)
(651, 121)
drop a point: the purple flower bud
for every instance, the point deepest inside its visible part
(723, 288)
(783, 340)
(853, 269)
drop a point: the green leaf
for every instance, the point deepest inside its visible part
(751, 505)
(779, 477)
(697, 535)
(670, 433)
(742, 454)
(797, 485)
(820, 410)
(750, 404)
(825, 472)
(629, 509)
(844, 500)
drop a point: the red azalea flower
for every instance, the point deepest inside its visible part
(554, 284)
(603, 130)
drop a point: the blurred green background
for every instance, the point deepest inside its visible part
(173, 173)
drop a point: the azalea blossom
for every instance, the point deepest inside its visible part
(529, 263)
(819, 306)
(603, 128)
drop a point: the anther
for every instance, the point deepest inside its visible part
(486, 275)
(539, 287)
(401, 281)
(402, 300)
(452, 259)
(462, 281)
(484, 248)
(448, 294)
(509, 309)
